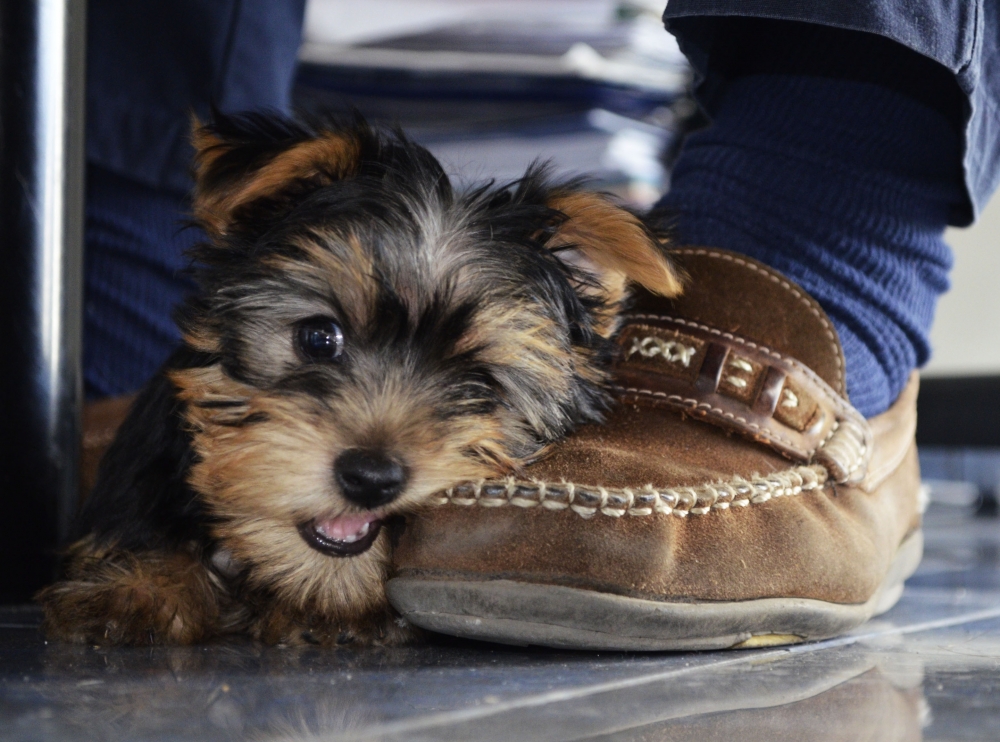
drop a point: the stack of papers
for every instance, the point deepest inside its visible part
(491, 85)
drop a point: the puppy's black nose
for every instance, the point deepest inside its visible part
(369, 478)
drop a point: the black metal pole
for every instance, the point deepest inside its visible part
(41, 282)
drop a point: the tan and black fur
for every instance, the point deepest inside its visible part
(363, 337)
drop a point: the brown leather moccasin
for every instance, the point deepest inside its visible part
(734, 497)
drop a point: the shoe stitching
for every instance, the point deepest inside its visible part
(587, 501)
(850, 444)
(806, 300)
(845, 442)
(813, 376)
(671, 351)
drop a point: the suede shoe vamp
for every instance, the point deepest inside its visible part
(802, 538)
(732, 471)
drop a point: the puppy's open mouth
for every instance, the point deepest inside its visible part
(345, 535)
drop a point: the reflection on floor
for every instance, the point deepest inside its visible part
(929, 669)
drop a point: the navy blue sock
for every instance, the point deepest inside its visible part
(845, 187)
(134, 276)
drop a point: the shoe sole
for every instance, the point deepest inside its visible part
(521, 613)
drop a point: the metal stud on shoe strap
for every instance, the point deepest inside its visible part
(740, 385)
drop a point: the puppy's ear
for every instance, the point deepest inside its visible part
(612, 245)
(263, 159)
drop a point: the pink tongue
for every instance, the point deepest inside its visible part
(338, 529)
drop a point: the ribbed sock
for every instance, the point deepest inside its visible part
(134, 276)
(845, 187)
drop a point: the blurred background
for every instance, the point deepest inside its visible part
(595, 86)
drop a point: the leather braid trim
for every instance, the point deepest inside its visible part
(590, 500)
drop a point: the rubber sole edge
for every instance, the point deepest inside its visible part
(520, 613)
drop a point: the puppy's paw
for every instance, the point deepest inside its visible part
(387, 629)
(383, 629)
(126, 598)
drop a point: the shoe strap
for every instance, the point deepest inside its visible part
(744, 387)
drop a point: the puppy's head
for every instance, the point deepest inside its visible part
(373, 337)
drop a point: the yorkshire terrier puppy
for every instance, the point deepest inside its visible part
(363, 337)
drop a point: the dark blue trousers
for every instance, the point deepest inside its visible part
(151, 66)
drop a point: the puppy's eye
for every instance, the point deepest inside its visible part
(319, 339)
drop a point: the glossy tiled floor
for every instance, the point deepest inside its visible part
(929, 669)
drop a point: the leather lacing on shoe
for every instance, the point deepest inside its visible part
(589, 500)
